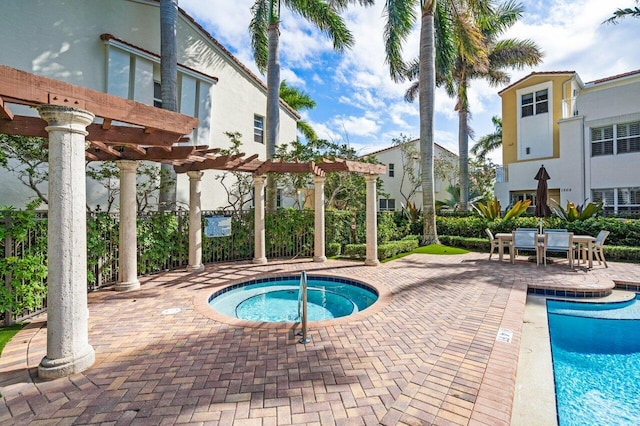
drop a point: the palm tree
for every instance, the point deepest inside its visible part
(299, 100)
(489, 142)
(265, 34)
(619, 14)
(488, 64)
(169, 91)
(442, 17)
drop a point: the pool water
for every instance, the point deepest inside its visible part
(276, 299)
(596, 361)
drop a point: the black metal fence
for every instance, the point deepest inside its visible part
(163, 243)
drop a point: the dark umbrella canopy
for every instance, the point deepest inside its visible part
(542, 209)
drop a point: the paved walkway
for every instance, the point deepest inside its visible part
(426, 354)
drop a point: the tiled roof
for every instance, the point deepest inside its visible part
(534, 74)
(614, 77)
(412, 140)
(234, 59)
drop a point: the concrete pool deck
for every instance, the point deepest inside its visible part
(441, 349)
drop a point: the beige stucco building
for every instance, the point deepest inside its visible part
(396, 183)
(587, 135)
(114, 46)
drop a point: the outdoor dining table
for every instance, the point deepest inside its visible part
(580, 240)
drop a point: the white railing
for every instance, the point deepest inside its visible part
(302, 307)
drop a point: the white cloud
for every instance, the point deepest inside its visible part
(358, 126)
(569, 32)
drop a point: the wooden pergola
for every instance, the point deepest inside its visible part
(86, 125)
(70, 115)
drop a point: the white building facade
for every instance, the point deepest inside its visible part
(587, 135)
(397, 183)
(114, 47)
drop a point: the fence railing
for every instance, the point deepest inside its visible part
(163, 244)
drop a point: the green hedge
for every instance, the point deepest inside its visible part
(385, 251)
(333, 249)
(482, 244)
(623, 232)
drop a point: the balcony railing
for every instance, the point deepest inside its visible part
(502, 174)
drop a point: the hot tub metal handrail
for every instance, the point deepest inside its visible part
(302, 307)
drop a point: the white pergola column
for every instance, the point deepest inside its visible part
(195, 222)
(258, 220)
(68, 348)
(318, 236)
(372, 223)
(128, 245)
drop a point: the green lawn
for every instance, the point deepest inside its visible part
(430, 249)
(439, 249)
(6, 333)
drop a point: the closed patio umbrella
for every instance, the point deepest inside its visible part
(542, 209)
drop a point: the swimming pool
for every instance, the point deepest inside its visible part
(275, 299)
(596, 361)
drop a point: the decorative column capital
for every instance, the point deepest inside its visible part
(195, 175)
(127, 165)
(317, 180)
(64, 118)
(259, 178)
(370, 178)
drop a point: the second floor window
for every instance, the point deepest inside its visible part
(258, 129)
(535, 103)
(392, 171)
(615, 139)
(157, 94)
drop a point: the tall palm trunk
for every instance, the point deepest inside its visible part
(273, 107)
(427, 86)
(169, 77)
(463, 148)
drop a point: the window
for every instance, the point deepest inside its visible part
(392, 171)
(527, 104)
(523, 196)
(134, 74)
(618, 199)
(602, 141)
(387, 204)
(542, 101)
(540, 106)
(157, 94)
(628, 137)
(279, 197)
(615, 139)
(258, 129)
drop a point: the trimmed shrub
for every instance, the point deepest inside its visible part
(333, 249)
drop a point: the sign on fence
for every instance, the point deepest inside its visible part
(217, 226)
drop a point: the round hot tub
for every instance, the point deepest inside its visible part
(276, 299)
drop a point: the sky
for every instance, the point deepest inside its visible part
(357, 102)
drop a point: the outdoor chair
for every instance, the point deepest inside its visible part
(597, 248)
(492, 240)
(555, 230)
(558, 242)
(524, 241)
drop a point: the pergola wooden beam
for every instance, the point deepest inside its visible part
(34, 126)
(5, 112)
(28, 89)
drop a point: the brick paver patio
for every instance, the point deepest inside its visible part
(426, 354)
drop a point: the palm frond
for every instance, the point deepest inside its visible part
(400, 18)
(326, 18)
(258, 29)
(515, 53)
(619, 14)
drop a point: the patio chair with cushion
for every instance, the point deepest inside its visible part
(492, 240)
(597, 248)
(558, 242)
(524, 241)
